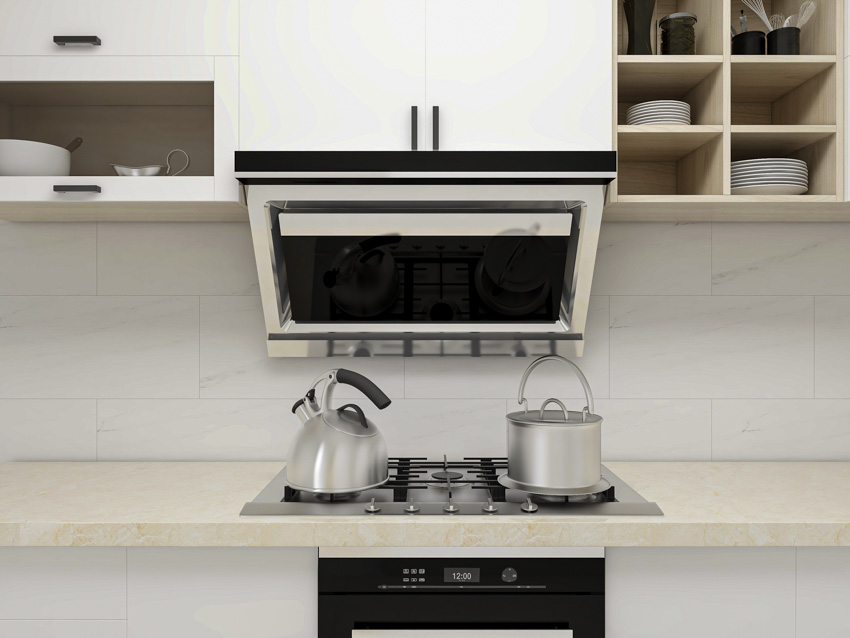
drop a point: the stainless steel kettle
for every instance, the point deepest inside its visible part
(337, 451)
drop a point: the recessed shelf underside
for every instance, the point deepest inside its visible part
(767, 78)
(775, 141)
(662, 142)
(648, 77)
(123, 211)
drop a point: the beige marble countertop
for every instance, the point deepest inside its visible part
(197, 504)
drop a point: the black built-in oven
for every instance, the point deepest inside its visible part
(461, 597)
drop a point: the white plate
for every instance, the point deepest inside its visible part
(778, 161)
(660, 121)
(769, 190)
(771, 173)
(656, 116)
(769, 183)
(655, 109)
(661, 103)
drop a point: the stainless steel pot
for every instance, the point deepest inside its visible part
(554, 450)
(337, 451)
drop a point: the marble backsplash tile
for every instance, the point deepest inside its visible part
(98, 347)
(780, 259)
(48, 430)
(653, 259)
(235, 362)
(175, 259)
(48, 259)
(703, 339)
(712, 347)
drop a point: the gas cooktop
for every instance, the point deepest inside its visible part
(471, 486)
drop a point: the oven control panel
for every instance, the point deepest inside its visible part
(397, 575)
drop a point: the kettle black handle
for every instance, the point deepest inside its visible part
(359, 412)
(372, 392)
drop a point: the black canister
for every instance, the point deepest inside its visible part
(748, 43)
(677, 34)
(784, 41)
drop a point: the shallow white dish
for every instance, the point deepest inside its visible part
(659, 120)
(660, 104)
(771, 175)
(681, 116)
(21, 158)
(769, 183)
(656, 109)
(137, 171)
(772, 161)
(769, 190)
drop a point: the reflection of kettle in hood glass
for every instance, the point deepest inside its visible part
(337, 451)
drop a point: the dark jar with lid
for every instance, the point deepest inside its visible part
(677, 34)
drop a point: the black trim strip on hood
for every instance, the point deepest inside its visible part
(430, 161)
(592, 181)
(425, 336)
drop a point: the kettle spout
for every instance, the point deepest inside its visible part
(306, 408)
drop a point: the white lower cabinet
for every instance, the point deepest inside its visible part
(231, 592)
(57, 583)
(823, 592)
(63, 629)
(700, 592)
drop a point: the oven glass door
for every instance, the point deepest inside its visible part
(449, 264)
(462, 633)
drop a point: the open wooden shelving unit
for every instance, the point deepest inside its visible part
(742, 107)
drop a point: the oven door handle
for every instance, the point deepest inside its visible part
(462, 633)
(368, 224)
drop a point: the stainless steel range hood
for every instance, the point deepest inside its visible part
(301, 198)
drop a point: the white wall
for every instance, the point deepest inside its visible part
(145, 341)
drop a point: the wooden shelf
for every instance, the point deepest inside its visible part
(766, 78)
(123, 212)
(750, 142)
(671, 77)
(728, 208)
(662, 142)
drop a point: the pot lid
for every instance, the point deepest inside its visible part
(682, 15)
(349, 419)
(553, 418)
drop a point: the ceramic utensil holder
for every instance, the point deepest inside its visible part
(784, 41)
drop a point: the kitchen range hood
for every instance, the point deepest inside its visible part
(399, 253)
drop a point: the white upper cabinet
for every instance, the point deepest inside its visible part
(331, 74)
(506, 74)
(125, 27)
(520, 74)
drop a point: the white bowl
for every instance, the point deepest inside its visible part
(23, 158)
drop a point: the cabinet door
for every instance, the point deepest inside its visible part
(520, 74)
(125, 27)
(330, 74)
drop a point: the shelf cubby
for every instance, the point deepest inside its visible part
(819, 36)
(128, 123)
(708, 29)
(674, 169)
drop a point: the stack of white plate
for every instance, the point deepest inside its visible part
(659, 112)
(770, 176)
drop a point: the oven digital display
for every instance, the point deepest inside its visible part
(461, 575)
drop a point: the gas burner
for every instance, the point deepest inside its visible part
(445, 477)
(334, 498)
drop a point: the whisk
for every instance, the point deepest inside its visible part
(776, 21)
(757, 7)
(807, 10)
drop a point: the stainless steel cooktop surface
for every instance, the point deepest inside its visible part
(440, 487)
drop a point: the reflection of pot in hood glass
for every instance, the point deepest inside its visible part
(511, 277)
(363, 279)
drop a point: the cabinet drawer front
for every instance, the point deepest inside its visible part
(124, 27)
(112, 189)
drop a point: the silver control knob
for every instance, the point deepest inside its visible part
(529, 506)
(509, 575)
(450, 507)
(411, 507)
(372, 507)
(490, 508)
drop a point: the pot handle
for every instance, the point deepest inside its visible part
(168, 162)
(560, 404)
(588, 395)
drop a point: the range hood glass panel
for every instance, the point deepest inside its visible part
(424, 279)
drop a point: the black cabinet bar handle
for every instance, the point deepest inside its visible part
(414, 128)
(62, 40)
(76, 188)
(436, 127)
